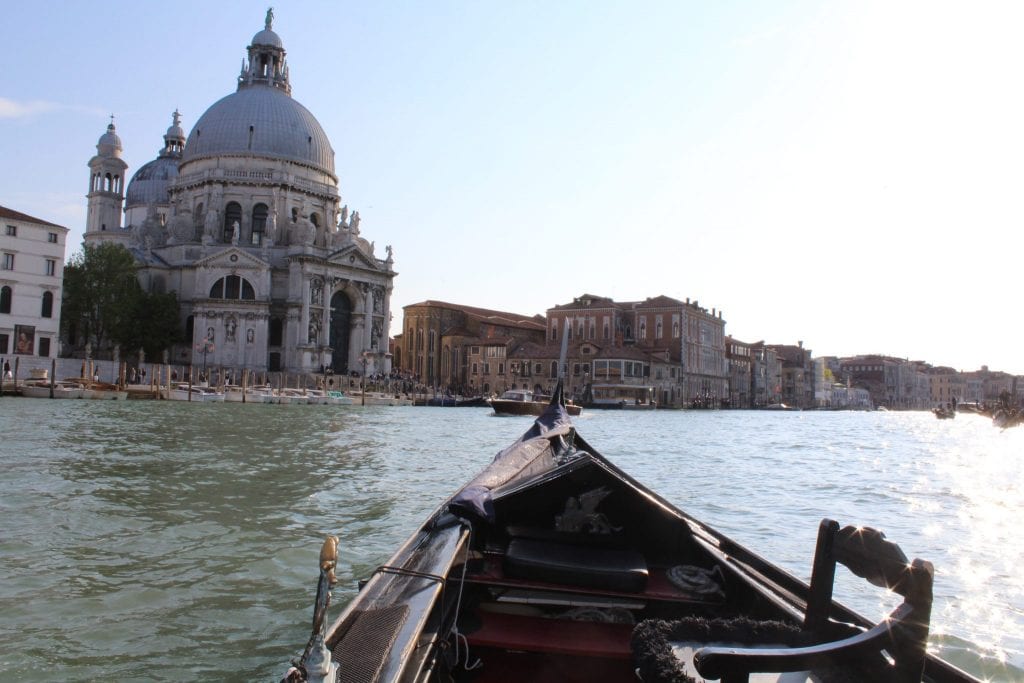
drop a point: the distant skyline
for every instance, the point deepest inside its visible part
(845, 174)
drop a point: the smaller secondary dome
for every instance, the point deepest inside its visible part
(150, 183)
(109, 144)
(267, 37)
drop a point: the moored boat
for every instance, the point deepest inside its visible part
(234, 393)
(553, 564)
(619, 397)
(338, 398)
(194, 393)
(524, 402)
(378, 398)
(61, 389)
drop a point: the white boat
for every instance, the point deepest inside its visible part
(236, 394)
(294, 396)
(182, 392)
(376, 398)
(211, 395)
(338, 398)
(318, 397)
(102, 391)
(60, 389)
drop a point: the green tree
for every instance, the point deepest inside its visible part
(105, 305)
(157, 324)
(100, 295)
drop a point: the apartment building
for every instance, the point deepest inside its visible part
(31, 278)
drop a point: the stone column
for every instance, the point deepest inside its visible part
(367, 317)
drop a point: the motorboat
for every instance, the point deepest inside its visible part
(289, 397)
(318, 397)
(338, 398)
(619, 396)
(194, 393)
(553, 564)
(233, 393)
(379, 398)
(524, 402)
(61, 389)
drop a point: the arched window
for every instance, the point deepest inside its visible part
(657, 330)
(47, 311)
(314, 218)
(259, 223)
(233, 287)
(107, 180)
(554, 330)
(232, 214)
(6, 294)
(607, 332)
(190, 326)
(643, 329)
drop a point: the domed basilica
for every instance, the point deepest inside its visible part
(243, 219)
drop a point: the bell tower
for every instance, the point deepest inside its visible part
(106, 186)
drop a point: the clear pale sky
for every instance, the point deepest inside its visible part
(847, 174)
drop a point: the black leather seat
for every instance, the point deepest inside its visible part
(610, 569)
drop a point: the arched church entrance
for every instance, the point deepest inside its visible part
(341, 331)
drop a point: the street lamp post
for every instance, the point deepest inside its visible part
(206, 345)
(364, 359)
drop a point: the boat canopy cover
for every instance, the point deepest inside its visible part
(474, 499)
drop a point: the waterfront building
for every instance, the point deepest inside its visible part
(842, 397)
(799, 376)
(31, 280)
(946, 385)
(680, 346)
(462, 348)
(741, 379)
(766, 375)
(244, 220)
(995, 385)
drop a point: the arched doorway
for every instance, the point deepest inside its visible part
(341, 331)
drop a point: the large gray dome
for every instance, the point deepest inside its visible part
(260, 120)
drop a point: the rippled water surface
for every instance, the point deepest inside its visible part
(174, 541)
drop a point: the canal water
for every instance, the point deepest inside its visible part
(172, 541)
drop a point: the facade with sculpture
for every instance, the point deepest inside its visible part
(244, 220)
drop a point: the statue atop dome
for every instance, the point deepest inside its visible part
(269, 23)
